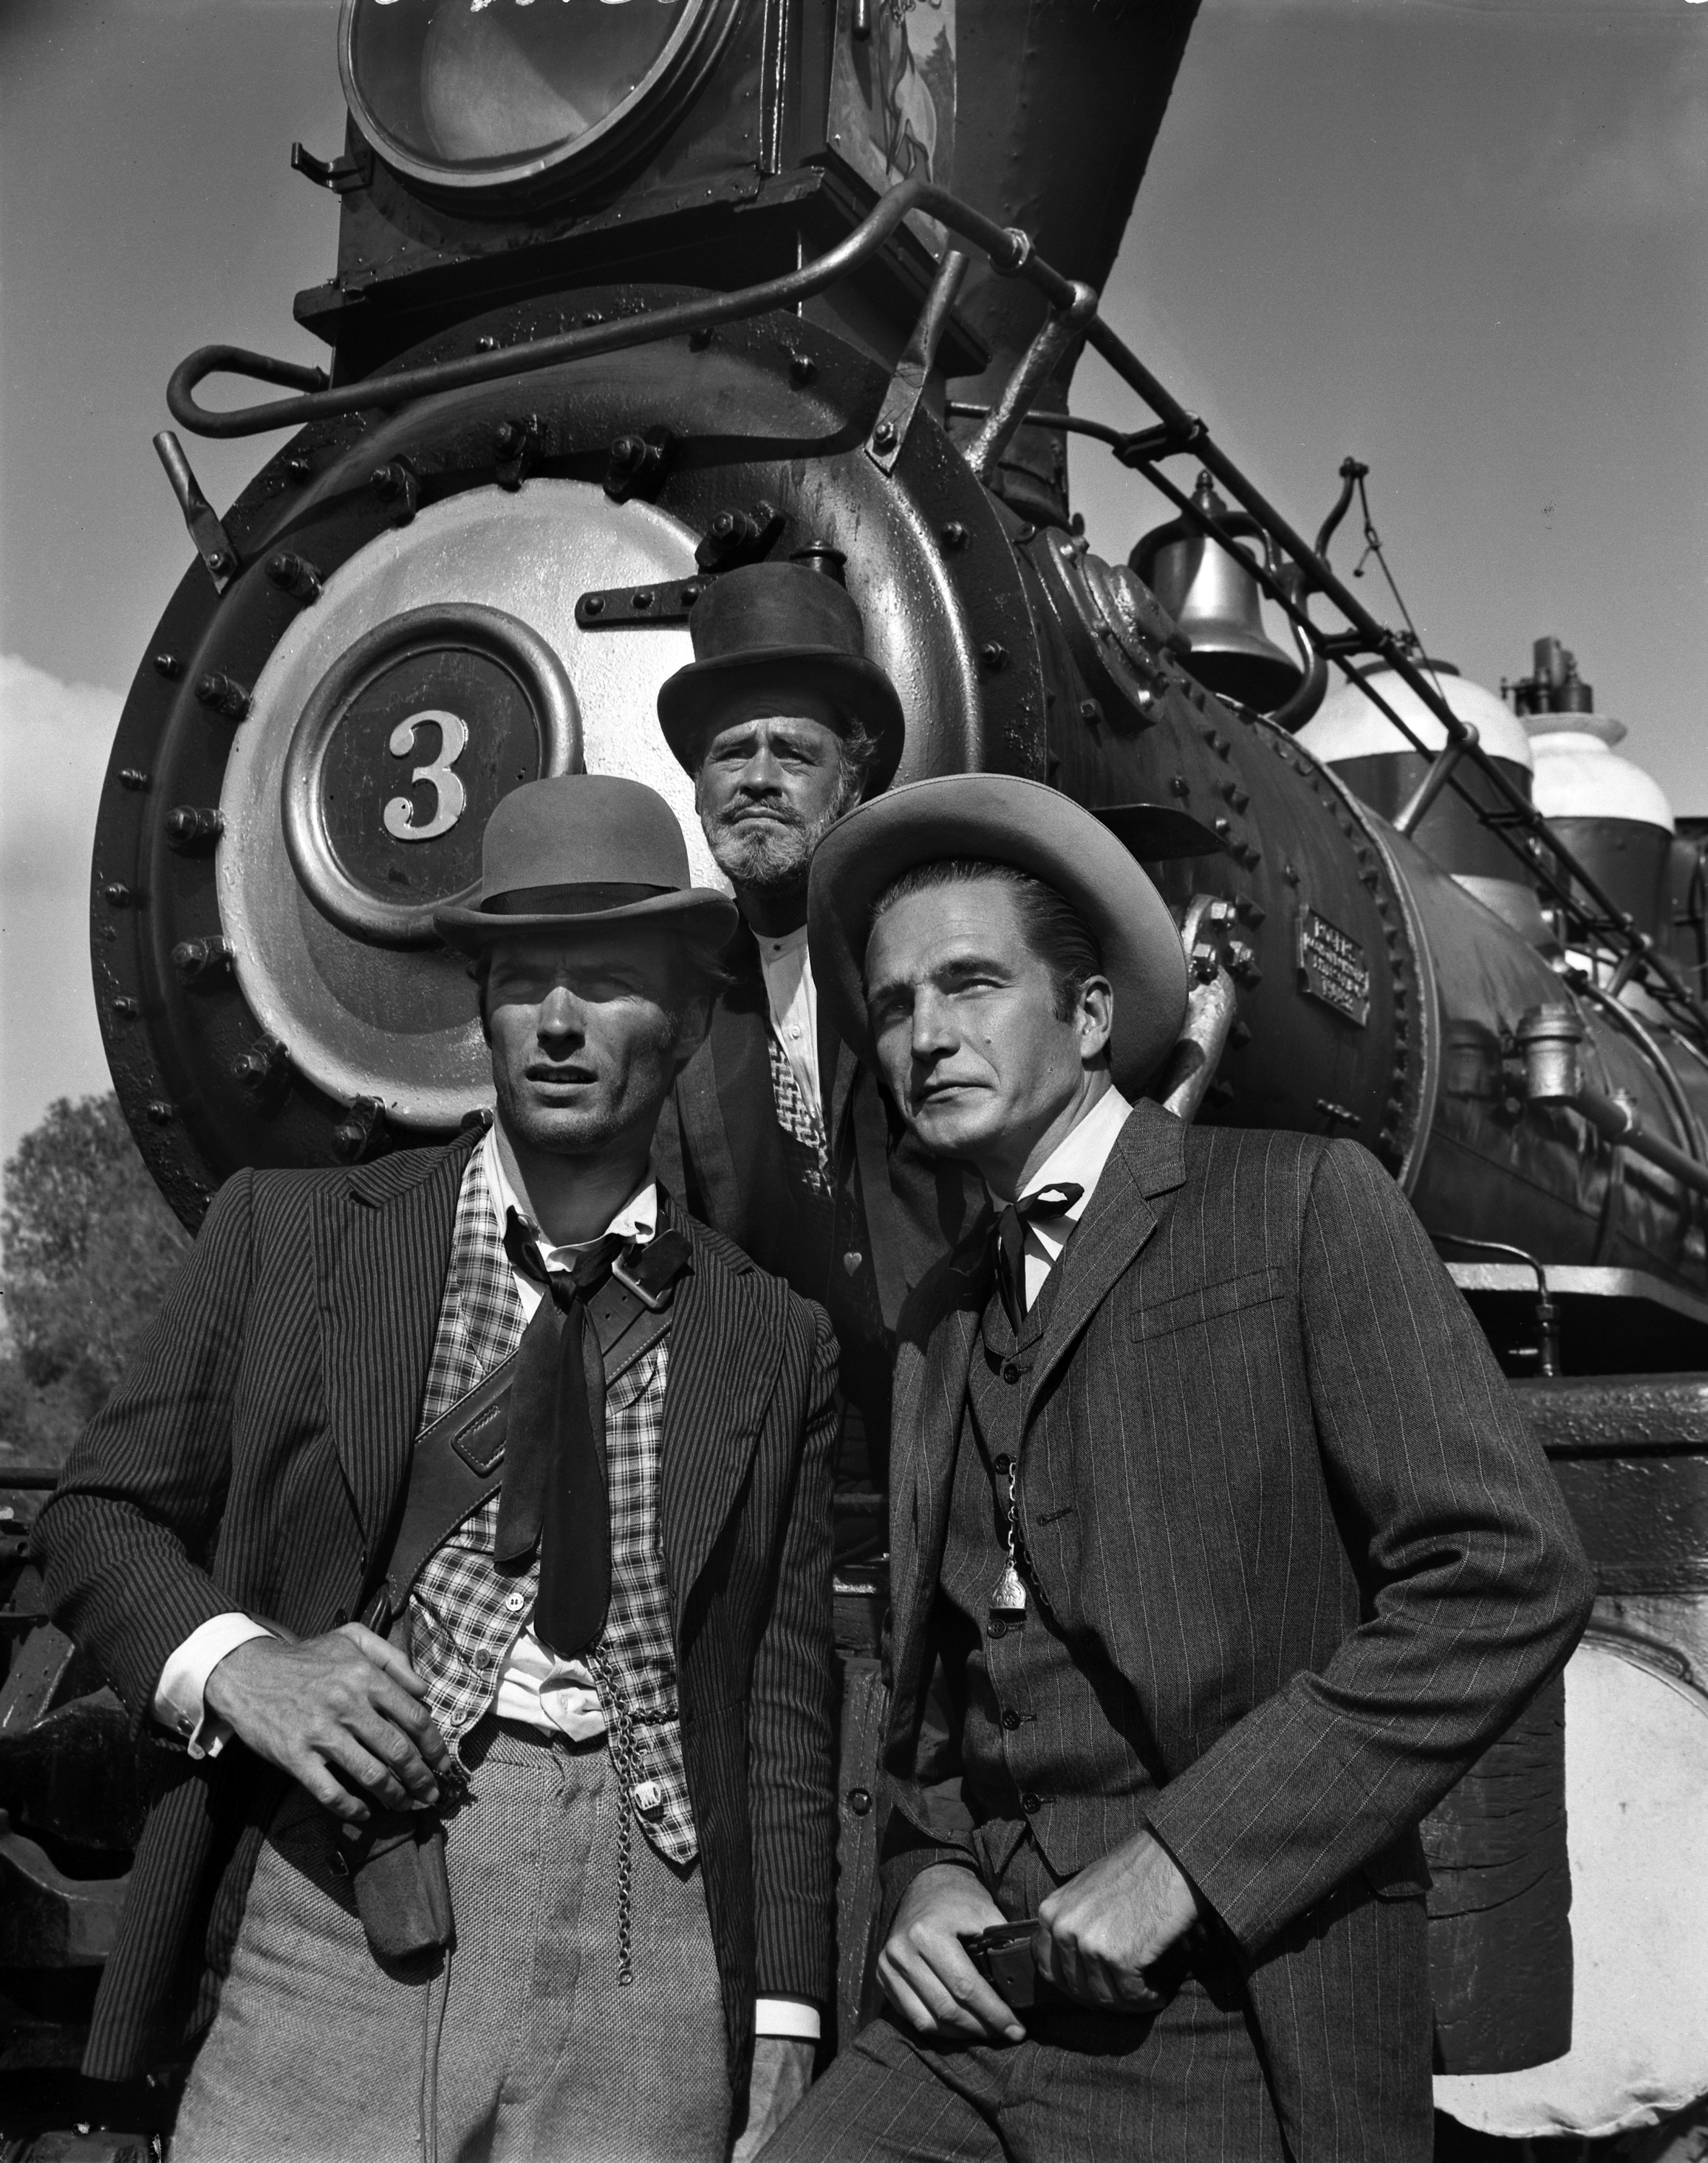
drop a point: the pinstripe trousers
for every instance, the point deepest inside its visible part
(1179, 2086)
(1084, 2087)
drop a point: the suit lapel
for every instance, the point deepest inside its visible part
(726, 1348)
(1148, 1159)
(837, 1068)
(382, 1247)
(930, 1395)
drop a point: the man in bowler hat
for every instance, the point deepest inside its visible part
(1219, 1551)
(776, 1135)
(463, 1521)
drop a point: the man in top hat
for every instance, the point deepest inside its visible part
(464, 1519)
(776, 1134)
(1219, 1551)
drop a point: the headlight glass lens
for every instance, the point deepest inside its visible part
(474, 86)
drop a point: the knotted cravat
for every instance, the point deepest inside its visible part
(554, 1493)
(1046, 1203)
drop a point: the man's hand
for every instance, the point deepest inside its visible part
(341, 1714)
(1098, 1933)
(924, 1968)
(782, 2072)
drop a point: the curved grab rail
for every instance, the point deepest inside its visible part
(1010, 253)
(1008, 249)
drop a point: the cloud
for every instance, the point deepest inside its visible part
(54, 743)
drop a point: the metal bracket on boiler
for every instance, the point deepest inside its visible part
(620, 608)
(907, 386)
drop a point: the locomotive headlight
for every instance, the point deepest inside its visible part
(509, 95)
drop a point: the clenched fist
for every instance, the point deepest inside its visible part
(1098, 1933)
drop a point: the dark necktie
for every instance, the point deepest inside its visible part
(554, 1494)
(1047, 1203)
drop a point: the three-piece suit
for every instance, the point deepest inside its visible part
(1292, 1561)
(256, 1459)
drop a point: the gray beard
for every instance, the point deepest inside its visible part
(771, 858)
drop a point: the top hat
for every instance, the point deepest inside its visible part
(772, 631)
(579, 850)
(995, 817)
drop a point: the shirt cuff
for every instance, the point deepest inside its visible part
(787, 2016)
(179, 1704)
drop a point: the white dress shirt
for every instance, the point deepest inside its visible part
(793, 1000)
(534, 1686)
(1079, 1156)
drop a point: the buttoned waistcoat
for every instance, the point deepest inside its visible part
(254, 1457)
(1269, 1466)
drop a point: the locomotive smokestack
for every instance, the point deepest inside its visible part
(1057, 105)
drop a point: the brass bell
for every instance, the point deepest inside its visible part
(1215, 601)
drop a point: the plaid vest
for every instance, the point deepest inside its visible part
(465, 1613)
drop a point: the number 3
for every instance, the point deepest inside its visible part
(450, 799)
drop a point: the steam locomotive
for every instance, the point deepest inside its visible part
(630, 292)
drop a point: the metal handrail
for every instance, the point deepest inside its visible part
(1010, 253)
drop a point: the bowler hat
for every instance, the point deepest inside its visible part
(580, 849)
(771, 630)
(993, 817)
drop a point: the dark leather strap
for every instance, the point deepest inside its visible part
(458, 1462)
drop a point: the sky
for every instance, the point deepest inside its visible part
(1463, 240)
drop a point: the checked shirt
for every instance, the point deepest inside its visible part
(804, 1150)
(465, 1613)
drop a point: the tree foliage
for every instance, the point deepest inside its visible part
(89, 1247)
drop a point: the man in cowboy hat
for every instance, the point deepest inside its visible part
(476, 1501)
(776, 1136)
(1219, 1551)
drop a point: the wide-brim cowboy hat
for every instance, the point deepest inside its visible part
(768, 634)
(995, 817)
(579, 850)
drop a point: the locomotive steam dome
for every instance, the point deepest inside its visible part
(1578, 774)
(1613, 816)
(1349, 725)
(1352, 734)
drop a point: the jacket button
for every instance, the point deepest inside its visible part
(1030, 1802)
(1011, 1718)
(1010, 1371)
(999, 1629)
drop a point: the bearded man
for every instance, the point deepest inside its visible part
(776, 1135)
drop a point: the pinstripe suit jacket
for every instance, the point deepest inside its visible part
(1289, 1495)
(253, 1458)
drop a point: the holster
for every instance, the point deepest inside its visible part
(403, 1893)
